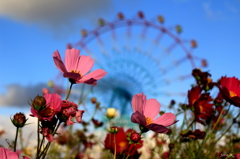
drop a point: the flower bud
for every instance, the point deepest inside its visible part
(114, 130)
(39, 103)
(93, 100)
(161, 112)
(19, 120)
(135, 137)
(111, 113)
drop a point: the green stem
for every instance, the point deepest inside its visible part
(226, 130)
(130, 151)
(44, 152)
(41, 143)
(38, 138)
(81, 95)
(69, 91)
(206, 138)
(15, 142)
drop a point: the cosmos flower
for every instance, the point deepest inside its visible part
(53, 106)
(76, 67)
(230, 90)
(122, 144)
(69, 110)
(203, 108)
(145, 112)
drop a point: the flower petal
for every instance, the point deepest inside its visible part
(7, 154)
(69, 121)
(152, 108)
(58, 61)
(138, 102)
(3, 153)
(71, 59)
(138, 118)
(85, 64)
(54, 101)
(95, 75)
(34, 112)
(79, 115)
(157, 128)
(166, 119)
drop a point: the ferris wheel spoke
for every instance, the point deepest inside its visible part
(175, 64)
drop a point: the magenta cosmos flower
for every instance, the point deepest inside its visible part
(76, 67)
(145, 112)
(53, 106)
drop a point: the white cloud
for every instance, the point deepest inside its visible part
(28, 131)
(18, 95)
(55, 14)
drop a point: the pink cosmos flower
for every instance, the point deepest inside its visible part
(76, 67)
(145, 112)
(53, 107)
(7, 154)
(237, 156)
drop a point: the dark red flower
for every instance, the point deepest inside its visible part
(97, 123)
(200, 104)
(68, 111)
(122, 144)
(193, 95)
(203, 108)
(19, 120)
(197, 134)
(230, 90)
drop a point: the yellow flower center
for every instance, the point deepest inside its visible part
(76, 71)
(148, 120)
(47, 112)
(192, 136)
(232, 94)
(122, 144)
(200, 108)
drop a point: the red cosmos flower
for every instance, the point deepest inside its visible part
(70, 110)
(122, 144)
(203, 109)
(200, 104)
(193, 95)
(165, 155)
(52, 107)
(77, 66)
(230, 90)
(197, 134)
(145, 112)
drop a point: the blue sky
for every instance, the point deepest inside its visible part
(31, 31)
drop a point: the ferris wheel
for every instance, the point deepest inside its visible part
(140, 55)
